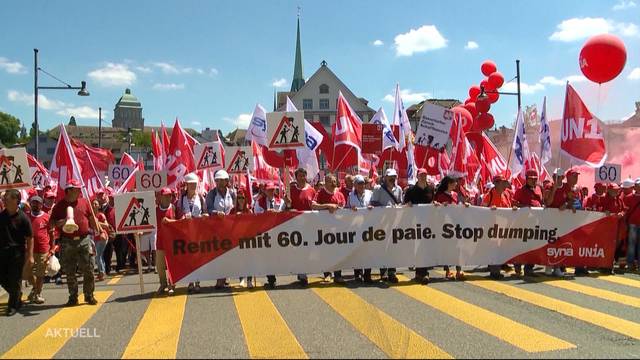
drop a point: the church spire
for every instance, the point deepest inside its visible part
(298, 79)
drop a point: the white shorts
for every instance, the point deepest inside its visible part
(148, 242)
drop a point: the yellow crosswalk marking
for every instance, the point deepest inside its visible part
(114, 280)
(50, 337)
(516, 334)
(592, 291)
(620, 280)
(392, 337)
(265, 331)
(158, 331)
(609, 322)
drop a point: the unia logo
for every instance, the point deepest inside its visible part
(591, 252)
(557, 255)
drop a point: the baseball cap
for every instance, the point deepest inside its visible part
(35, 198)
(49, 194)
(572, 171)
(489, 185)
(422, 171)
(391, 172)
(359, 179)
(191, 178)
(165, 191)
(73, 183)
(628, 183)
(531, 173)
(613, 186)
(221, 175)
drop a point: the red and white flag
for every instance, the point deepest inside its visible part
(262, 170)
(65, 166)
(165, 142)
(582, 138)
(127, 160)
(347, 136)
(158, 152)
(180, 160)
(39, 174)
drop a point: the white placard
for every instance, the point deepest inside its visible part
(208, 156)
(434, 126)
(238, 159)
(14, 169)
(118, 174)
(285, 130)
(135, 212)
(150, 180)
(609, 173)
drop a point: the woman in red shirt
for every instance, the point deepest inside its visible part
(241, 207)
(445, 195)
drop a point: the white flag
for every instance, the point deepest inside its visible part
(401, 119)
(412, 171)
(545, 135)
(388, 139)
(257, 130)
(307, 157)
(520, 147)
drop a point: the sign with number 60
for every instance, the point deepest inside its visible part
(151, 180)
(609, 173)
(118, 174)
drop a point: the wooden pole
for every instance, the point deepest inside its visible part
(139, 259)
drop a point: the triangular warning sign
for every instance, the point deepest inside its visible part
(287, 135)
(208, 158)
(239, 162)
(11, 175)
(136, 217)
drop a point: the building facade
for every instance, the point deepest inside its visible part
(127, 113)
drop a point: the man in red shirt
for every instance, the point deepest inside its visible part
(633, 220)
(557, 197)
(76, 246)
(329, 198)
(347, 188)
(497, 197)
(42, 247)
(165, 212)
(530, 194)
(593, 202)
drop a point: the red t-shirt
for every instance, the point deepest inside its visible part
(301, 198)
(493, 199)
(345, 191)
(560, 197)
(40, 228)
(593, 201)
(324, 197)
(81, 215)
(444, 198)
(168, 213)
(633, 209)
(525, 197)
(611, 204)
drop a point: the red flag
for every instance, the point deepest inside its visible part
(158, 152)
(64, 165)
(262, 170)
(127, 160)
(347, 135)
(101, 158)
(39, 174)
(165, 142)
(582, 139)
(180, 156)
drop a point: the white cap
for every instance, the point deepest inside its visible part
(191, 178)
(628, 183)
(391, 172)
(489, 185)
(358, 179)
(221, 175)
(638, 181)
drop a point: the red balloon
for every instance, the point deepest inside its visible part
(474, 91)
(468, 101)
(493, 96)
(485, 84)
(488, 67)
(496, 80)
(471, 108)
(483, 105)
(467, 119)
(483, 122)
(602, 58)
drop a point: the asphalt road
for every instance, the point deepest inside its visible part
(592, 317)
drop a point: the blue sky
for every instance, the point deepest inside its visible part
(210, 62)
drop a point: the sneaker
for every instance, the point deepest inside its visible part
(59, 281)
(460, 276)
(270, 285)
(100, 277)
(367, 279)
(250, 284)
(243, 283)
(392, 278)
(38, 299)
(90, 300)
(73, 301)
(171, 291)
(197, 287)
(190, 288)
(425, 280)
(496, 276)
(303, 282)
(338, 280)
(32, 297)
(558, 272)
(11, 311)
(327, 278)
(161, 290)
(548, 270)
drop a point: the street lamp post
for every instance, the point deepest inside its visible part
(483, 92)
(82, 92)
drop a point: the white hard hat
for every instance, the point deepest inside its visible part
(638, 181)
(628, 183)
(221, 175)
(191, 178)
(391, 172)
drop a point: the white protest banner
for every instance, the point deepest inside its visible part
(285, 130)
(421, 236)
(118, 174)
(14, 169)
(609, 173)
(434, 126)
(239, 159)
(135, 212)
(150, 180)
(208, 156)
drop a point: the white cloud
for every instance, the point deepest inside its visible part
(378, 43)
(525, 88)
(27, 99)
(471, 45)
(279, 83)
(423, 39)
(634, 74)
(213, 72)
(113, 75)
(242, 121)
(624, 4)
(171, 69)
(12, 67)
(552, 80)
(169, 86)
(196, 123)
(581, 28)
(81, 112)
(408, 97)
(144, 69)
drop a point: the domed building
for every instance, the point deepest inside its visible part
(128, 112)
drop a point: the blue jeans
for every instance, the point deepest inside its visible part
(633, 250)
(100, 245)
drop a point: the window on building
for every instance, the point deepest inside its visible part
(50, 151)
(324, 89)
(324, 104)
(324, 120)
(307, 104)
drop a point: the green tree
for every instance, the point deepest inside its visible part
(141, 139)
(9, 128)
